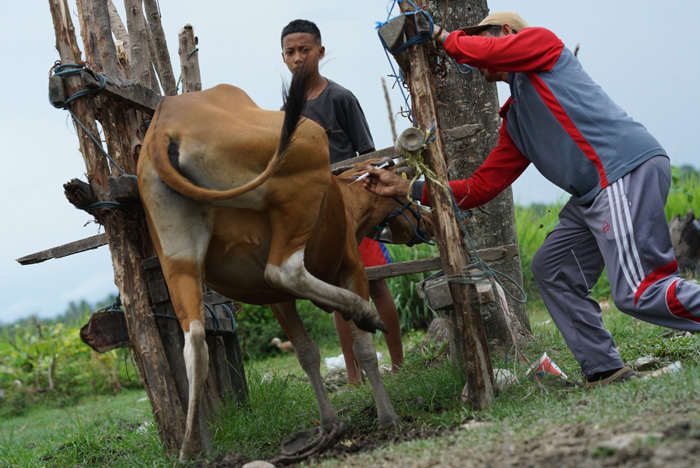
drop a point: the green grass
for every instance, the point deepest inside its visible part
(103, 431)
(110, 431)
(118, 430)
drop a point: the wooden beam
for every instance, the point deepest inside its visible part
(469, 340)
(431, 264)
(128, 92)
(342, 166)
(64, 250)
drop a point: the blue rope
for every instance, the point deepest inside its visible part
(105, 205)
(231, 316)
(399, 78)
(462, 68)
(492, 274)
(68, 69)
(213, 317)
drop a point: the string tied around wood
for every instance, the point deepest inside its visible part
(116, 306)
(179, 78)
(410, 145)
(391, 35)
(62, 70)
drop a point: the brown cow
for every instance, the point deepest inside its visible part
(260, 219)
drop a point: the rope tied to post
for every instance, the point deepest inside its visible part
(410, 145)
(69, 69)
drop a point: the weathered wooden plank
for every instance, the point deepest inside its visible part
(129, 92)
(342, 166)
(430, 264)
(65, 250)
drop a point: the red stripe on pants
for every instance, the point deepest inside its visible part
(654, 276)
(675, 305)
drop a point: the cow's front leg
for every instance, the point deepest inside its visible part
(309, 358)
(366, 355)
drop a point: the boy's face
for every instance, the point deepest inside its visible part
(298, 47)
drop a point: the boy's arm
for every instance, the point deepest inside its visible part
(532, 49)
(356, 126)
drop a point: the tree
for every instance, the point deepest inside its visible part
(468, 112)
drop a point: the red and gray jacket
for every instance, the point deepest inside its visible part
(557, 118)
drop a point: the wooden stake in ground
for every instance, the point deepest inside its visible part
(469, 336)
(127, 239)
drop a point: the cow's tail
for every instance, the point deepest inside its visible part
(167, 169)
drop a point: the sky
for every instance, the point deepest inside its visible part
(642, 53)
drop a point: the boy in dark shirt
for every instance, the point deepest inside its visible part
(338, 111)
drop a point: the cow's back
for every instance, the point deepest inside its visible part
(220, 139)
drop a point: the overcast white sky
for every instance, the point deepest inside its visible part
(642, 52)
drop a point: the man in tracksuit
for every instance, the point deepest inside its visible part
(618, 176)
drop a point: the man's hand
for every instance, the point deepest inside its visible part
(385, 183)
(439, 34)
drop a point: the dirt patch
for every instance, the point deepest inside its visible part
(676, 444)
(647, 440)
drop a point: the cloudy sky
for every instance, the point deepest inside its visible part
(643, 53)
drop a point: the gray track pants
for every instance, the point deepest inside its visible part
(624, 230)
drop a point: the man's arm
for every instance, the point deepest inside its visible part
(504, 164)
(532, 49)
(501, 168)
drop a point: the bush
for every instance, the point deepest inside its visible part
(49, 362)
(414, 314)
(258, 326)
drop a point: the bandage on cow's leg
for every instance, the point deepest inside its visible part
(186, 296)
(309, 358)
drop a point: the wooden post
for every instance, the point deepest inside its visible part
(470, 338)
(122, 39)
(128, 242)
(469, 133)
(189, 61)
(160, 48)
(141, 64)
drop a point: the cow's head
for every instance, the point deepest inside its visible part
(397, 220)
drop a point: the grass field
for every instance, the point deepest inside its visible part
(114, 427)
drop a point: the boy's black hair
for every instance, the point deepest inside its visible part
(302, 26)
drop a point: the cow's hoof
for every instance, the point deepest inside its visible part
(371, 323)
(303, 444)
(390, 421)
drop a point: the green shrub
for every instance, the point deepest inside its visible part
(44, 361)
(413, 312)
(258, 326)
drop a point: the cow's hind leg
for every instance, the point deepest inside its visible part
(285, 270)
(366, 356)
(186, 296)
(290, 275)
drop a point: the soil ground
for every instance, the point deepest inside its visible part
(674, 442)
